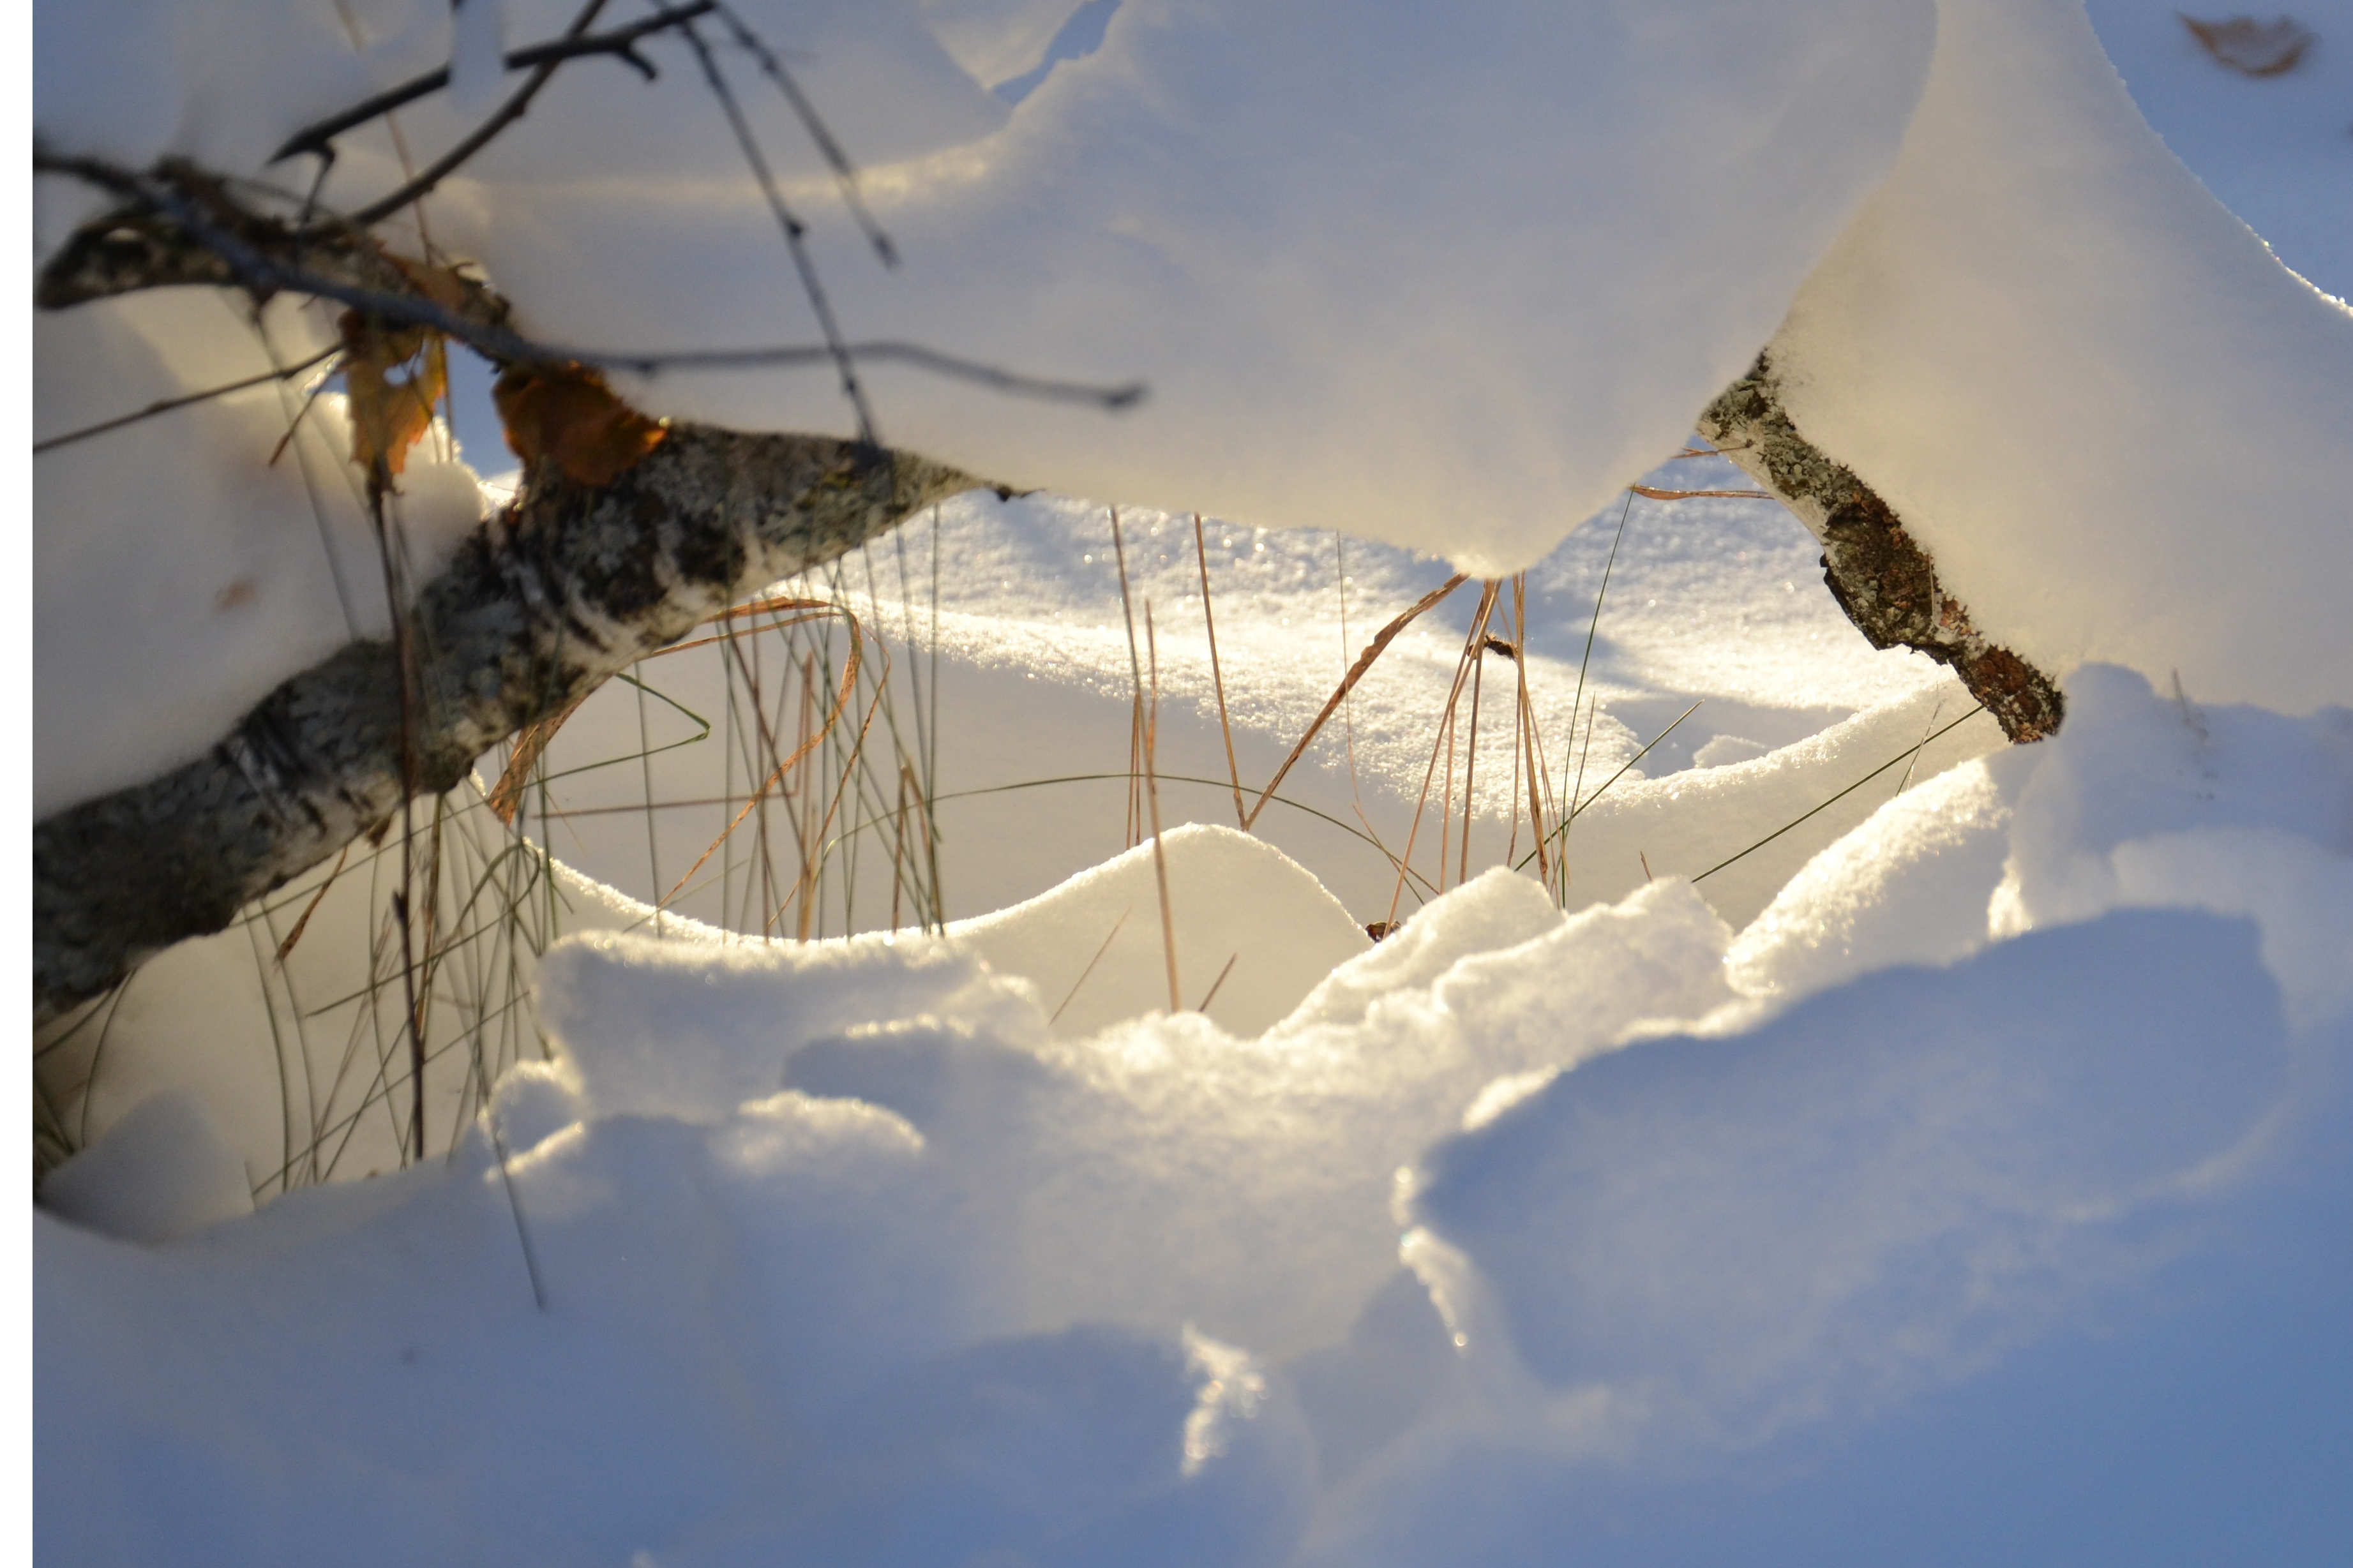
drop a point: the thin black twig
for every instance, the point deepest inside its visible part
(845, 173)
(1577, 808)
(1567, 788)
(316, 137)
(510, 111)
(796, 234)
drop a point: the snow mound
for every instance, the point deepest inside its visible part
(2142, 801)
(845, 1256)
(1160, 1171)
(2148, 801)
(1886, 1186)
(1909, 885)
(730, 1016)
(775, 1326)
(163, 1170)
(1255, 932)
(1376, 275)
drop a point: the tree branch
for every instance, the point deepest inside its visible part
(543, 602)
(180, 226)
(1880, 575)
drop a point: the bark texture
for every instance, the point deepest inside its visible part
(1878, 573)
(544, 602)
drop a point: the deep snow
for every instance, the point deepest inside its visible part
(848, 1255)
(1961, 1177)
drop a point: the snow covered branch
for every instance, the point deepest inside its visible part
(571, 585)
(1880, 575)
(183, 225)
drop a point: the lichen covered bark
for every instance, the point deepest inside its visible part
(1879, 574)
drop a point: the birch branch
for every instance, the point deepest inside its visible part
(543, 602)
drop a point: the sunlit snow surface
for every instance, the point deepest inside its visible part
(1962, 1178)
(848, 1255)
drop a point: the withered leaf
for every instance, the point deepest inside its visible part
(2253, 48)
(394, 376)
(569, 416)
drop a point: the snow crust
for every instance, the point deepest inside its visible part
(2110, 416)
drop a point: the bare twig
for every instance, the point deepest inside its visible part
(165, 405)
(796, 234)
(210, 240)
(844, 172)
(510, 111)
(316, 137)
(1647, 491)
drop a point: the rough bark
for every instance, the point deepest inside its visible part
(541, 603)
(1878, 573)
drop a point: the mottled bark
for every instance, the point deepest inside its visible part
(1878, 573)
(541, 604)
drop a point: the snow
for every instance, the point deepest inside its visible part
(847, 1252)
(2150, 802)
(1397, 328)
(1093, 948)
(1031, 643)
(170, 1171)
(1662, 1231)
(2108, 413)
(1909, 885)
(1434, 320)
(2271, 148)
(1886, 1146)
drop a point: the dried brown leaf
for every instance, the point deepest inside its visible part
(569, 417)
(2253, 48)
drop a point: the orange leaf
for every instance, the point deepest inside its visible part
(569, 416)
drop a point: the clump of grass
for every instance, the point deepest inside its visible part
(396, 983)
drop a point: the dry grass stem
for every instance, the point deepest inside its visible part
(1373, 650)
(1217, 674)
(1445, 737)
(1696, 495)
(1073, 994)
(1152, 793)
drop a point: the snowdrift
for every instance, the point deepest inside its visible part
(846, 1254)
